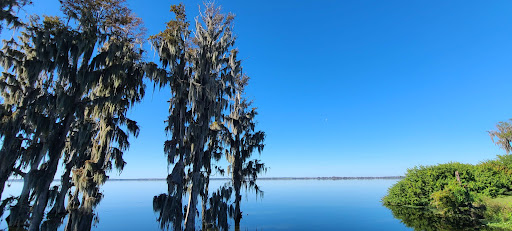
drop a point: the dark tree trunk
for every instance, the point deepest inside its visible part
(198, 153)
(190, 217)
(205, 200)
(178, 194)
(79, 220)
(73, 206)
(237, 179)
(21, 211)
(54, 154)
(59, 209)
(42, 195)
(8, 157)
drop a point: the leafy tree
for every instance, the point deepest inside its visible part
(67, 94)
(503, 136)
(204, 75)
(210, 82)
(238, 136)
(172, 45)
(26, 121)
(242, 140)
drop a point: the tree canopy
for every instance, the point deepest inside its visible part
(65, 90)
(206, 81)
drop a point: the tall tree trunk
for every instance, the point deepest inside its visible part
(195, 189)
(190, 217)
(42, 196)
(73, 205)
(21, 211)
(204, 198)
(8, 158)
(80, 219)
(179, 194)
(3, 178)
(59, 208)
(54, 154)
(237, 178)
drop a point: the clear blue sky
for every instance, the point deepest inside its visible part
(354, 88)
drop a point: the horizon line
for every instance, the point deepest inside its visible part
(261, 178)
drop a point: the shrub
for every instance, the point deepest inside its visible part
(491, 178)
(452, 199)
(420, 182)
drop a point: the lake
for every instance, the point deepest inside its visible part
(286, 205)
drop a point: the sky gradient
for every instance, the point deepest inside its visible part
(352, 88)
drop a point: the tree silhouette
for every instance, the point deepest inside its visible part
(203, 73)
(66, 95)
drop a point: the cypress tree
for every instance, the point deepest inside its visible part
(205, 78)
(197, 72)
(77, 81)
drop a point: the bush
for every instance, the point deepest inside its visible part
(497, 210)
(452, 199)
(424, 183)
(492, 178)
(420, 182)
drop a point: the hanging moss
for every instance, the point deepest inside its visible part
(66, 90)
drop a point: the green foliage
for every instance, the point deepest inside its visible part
(420, 182)
(452, 199)
(479, 194)
(498, 210)
(491, 178)
(434, 185)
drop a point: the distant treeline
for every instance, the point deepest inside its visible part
(334, 178)
(271, 178)
(285, 178)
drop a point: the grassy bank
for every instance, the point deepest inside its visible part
(498, 212)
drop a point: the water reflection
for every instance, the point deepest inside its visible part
(427, 220)
(288, 205)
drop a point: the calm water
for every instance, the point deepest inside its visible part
(286, 205)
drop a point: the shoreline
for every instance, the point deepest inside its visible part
(263, 178)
